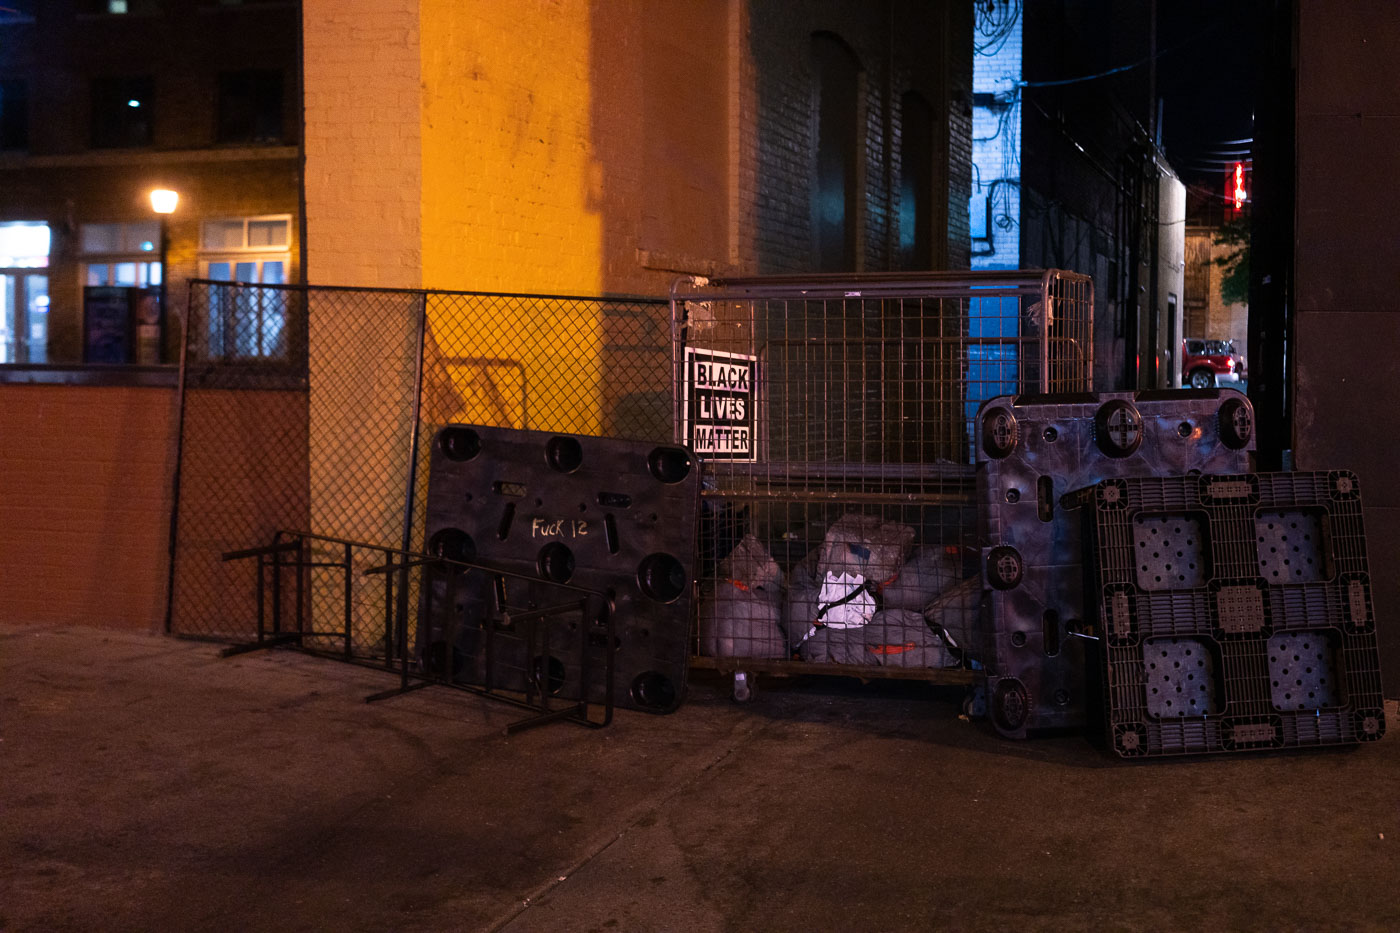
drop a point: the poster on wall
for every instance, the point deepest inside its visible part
(719, 409)
(107, 336)
(149, 325)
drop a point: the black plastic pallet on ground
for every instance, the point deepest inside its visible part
(1233, 613)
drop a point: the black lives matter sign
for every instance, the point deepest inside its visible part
(719, 404)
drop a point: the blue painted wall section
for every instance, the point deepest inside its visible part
(994, 207)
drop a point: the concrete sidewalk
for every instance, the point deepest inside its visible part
(147, 785)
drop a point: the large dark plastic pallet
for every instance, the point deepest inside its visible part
(601, 513)
(1030, 452)
(1235, 613)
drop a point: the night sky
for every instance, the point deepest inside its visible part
(1205, 76)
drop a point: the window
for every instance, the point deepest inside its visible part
(834, 190)
(24, 292)
(123, 112)
(121, 253)
(14, 114)
(250, 107)
(246, 233)
(916, 183)
(121, 7)
(247, 323)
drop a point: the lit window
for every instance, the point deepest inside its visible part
(136, 237)
(245, 233)
(24, 292)
(24, 245)
(247, 323)
(119, 253)
(223, 234)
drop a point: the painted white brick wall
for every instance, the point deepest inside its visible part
(363, 141)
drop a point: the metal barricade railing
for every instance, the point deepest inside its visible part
(298, 552)
(835, 417)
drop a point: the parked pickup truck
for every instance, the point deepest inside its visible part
(1207, 363)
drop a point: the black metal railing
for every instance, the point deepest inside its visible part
(573, 611)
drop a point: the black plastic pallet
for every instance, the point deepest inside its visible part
(602, 513)
(1234, 613)
(1031, 450)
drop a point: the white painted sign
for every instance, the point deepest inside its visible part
(719, 405)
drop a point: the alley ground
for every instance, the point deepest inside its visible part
(145, 784)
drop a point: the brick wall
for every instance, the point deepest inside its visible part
(364, 124)
(958, 107)
(585, 148)
(1212, 317)
(580, 147)
(363, 140)
(241, 448)
(85, 486)
(900, 48)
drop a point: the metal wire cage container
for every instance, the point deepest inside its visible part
(835, 415)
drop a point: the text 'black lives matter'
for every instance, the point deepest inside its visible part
(720, 403)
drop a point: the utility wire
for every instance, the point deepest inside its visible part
(1121, 68)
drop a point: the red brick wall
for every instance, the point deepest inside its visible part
(243, 478)
(85, 491)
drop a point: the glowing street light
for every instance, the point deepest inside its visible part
(163, 200)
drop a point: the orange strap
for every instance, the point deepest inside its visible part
(738, 585)
(891, 649)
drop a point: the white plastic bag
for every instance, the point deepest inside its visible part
(845, 601)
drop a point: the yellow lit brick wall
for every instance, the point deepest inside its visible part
(514, 187)
(583, 148)
(561, 142)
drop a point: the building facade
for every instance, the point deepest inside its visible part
(592, 148)
(103, 101)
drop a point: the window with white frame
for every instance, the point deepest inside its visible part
(121, 253)
(246, 323)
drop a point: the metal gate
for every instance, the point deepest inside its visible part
(835, 417)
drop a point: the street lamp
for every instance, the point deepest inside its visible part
(163, 201)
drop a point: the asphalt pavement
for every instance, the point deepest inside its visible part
(147, 784)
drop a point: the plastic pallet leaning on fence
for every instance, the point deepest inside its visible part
(614, 515)
(1234, 613)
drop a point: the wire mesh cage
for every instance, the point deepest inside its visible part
(835, 417)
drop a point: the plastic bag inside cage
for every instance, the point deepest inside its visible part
(825, 584)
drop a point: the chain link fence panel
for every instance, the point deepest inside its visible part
(309, 408)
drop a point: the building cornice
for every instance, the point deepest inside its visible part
(125, 157)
